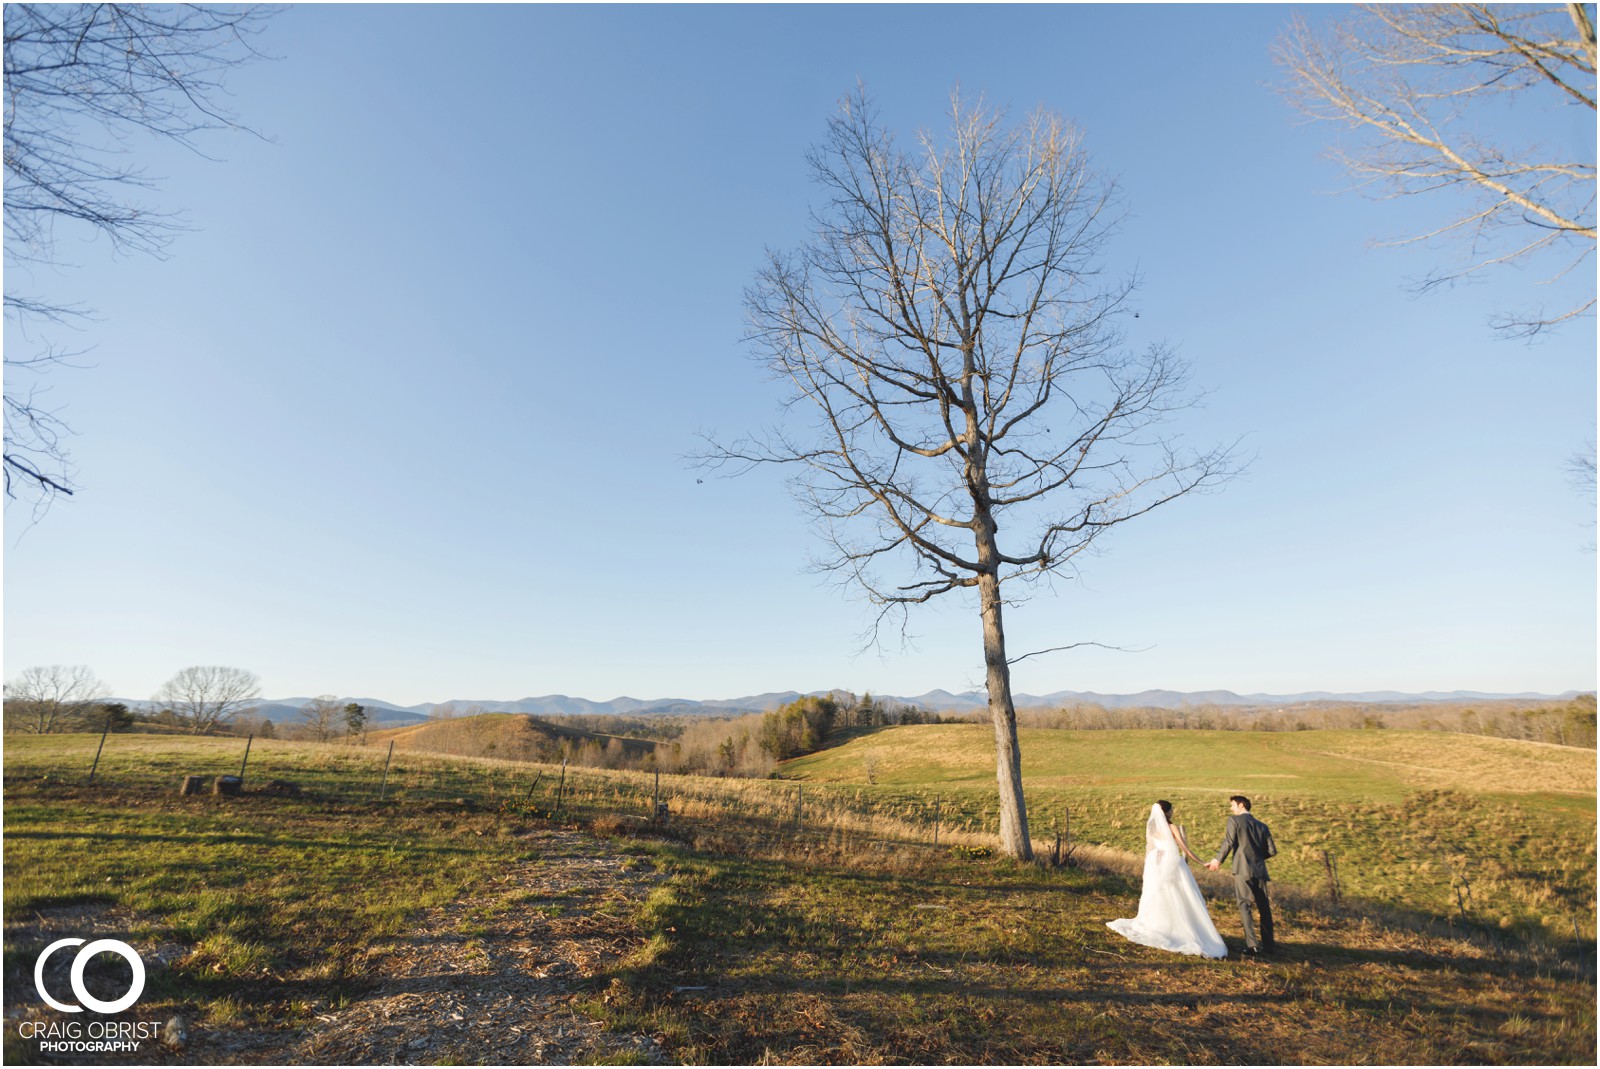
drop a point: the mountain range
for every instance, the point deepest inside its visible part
(388, 714)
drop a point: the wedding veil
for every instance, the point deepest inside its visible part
(1158, 833)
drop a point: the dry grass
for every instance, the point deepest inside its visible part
(1444, 761)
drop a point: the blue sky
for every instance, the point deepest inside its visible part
(404, 415)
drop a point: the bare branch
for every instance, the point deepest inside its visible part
(79, 79)
(1403, 80)
(1076, 645)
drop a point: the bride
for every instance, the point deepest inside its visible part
(1172, 914)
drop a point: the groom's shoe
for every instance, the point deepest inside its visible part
(1252, 953)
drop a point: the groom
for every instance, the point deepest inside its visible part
(1250, 842)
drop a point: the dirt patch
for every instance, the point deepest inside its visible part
(488, 979)
(485, 980)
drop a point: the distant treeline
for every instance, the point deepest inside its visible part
(750, 745)
(42, 718)
(1570, 723)
(658, 728)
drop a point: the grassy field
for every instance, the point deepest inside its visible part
(1425, 821)
(789, 927)
(923, 958)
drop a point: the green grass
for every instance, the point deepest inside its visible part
(1413, 820)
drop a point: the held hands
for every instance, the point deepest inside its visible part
(1212, 865)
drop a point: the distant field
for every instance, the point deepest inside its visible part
(1371, 765)
(1418, 820)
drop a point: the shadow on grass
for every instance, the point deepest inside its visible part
(212, 839)
(1522, 956)
(1050, 995)
(732, 922)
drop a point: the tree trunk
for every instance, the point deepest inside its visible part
(1014, 838)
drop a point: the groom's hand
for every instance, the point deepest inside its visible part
(1212, 864)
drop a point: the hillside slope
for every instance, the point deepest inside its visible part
(512, 736)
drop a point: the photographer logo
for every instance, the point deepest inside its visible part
(95, 1036)
(88, 951)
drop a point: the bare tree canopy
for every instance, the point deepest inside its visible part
(79, 79)
(207, 696)
(51, 697)
(1415, 84)
(322, 716)
(978, 422)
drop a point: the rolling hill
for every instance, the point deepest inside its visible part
(512, 736)
(388, 714)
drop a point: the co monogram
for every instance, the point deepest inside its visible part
(99, 946)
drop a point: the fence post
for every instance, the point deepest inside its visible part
(1333, 876)
(936, 801)
(102, 746)
(561, 788)
(799, 806)
(384, 786)
(655, 798)
(536, 777)
(246, 760)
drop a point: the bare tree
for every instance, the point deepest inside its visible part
(1417, 84)
(978, 423)
(51, 698)
(79, 79)
(208, 696)
(322, 717)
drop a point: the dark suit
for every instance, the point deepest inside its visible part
(1250, 843)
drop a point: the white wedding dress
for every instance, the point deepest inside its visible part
(1172, 913)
